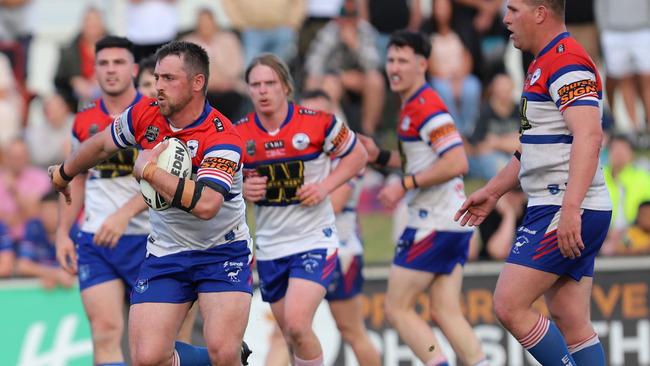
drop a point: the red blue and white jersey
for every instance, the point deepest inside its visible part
(215, 148)
(110, 184)
(297, 153)
(561, 76)
(426, 131)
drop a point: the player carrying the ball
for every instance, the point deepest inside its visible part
(198, 248)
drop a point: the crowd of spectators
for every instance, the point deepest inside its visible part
(339, 46)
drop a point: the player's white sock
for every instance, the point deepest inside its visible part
(315, 362)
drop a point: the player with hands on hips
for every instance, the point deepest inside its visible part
(569, 209)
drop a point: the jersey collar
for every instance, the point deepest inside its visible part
(102, 106)
(207, 108)
(552, 44)
(417, 93)
(287, 119)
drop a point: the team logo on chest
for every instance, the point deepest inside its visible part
(536, 75)
(300, 141)
(193, 145)
(406, 122)
(151, 134)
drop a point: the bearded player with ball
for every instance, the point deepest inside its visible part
(199, 246)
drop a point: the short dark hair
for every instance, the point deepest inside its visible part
(414, 40)
(194, 57)
(146, 64)
(622, 137)
(558, 6)
(114, 42)
(315, 93)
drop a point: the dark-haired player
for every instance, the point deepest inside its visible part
(432, 250)
(199, 248)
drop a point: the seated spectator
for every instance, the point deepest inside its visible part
(21, 187)
(499, 230)
(496, 135)
(268, 28)
(49, 139)
(628, 188)
(7, 253)
(75, 75)
(145, 81)
(450, 66)
(226, 85)
(343, 57)
(11, 103)
(36, 252)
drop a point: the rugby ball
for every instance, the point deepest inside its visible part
(175, 160)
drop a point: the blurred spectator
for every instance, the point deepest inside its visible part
(11, 104)
(15, 30)
(21, 187)
(628, 188)
(36, 253)
(49, 139)
(388, 16)
(472, 19)
(268, 28)
(7, 253)
(496, 135)
(75, 75)
(319, 13)
(145, 81)
(450, 65)
(225, 86)
(343, 57)
(637, 237)
(150, 24)
(625, 37)
(498, 231)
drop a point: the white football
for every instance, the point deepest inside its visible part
(175, 160)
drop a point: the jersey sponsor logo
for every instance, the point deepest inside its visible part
(559, 48)
(442, 131)
(218, 124)
(225, 165)
(341, 137)
(536, 75)
(308, 112)
(406, 122)
(153, 104)
(118, 165)
(273, 145)
(328, 232)
(86, 107)
(553, 188)
(300, 141)
(84, 272)
(283, 182)
(151, 133)
(576, 89)
(250, 147)
(243, 120)
(193, 145)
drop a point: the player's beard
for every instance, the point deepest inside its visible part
(169, 107)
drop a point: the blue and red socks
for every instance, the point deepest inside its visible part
(588, 352)
(547, 345)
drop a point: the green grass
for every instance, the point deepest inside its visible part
(377, 235)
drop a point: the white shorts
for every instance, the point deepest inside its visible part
(626, 53)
